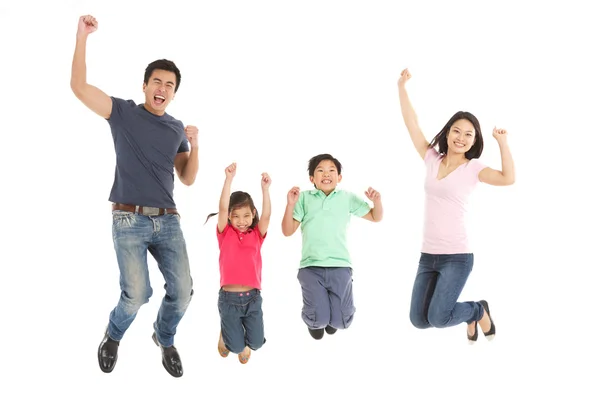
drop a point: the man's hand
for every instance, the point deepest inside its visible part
(192, 135)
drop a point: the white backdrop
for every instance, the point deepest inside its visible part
(270, 84)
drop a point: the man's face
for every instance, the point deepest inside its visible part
(159, 91)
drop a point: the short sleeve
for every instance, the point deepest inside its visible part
(184, 146)
(474, 167)
(260, 237)
(221, 236)
(120, 108)
(299, 208)
(430, 155)
(358, 206)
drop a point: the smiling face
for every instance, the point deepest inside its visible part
(326, 176)
(241, 218)
(159, 91)
(461, 137)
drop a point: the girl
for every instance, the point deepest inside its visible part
(446, 259)
(240, 234)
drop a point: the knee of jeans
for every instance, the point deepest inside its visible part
(419, 321)
(185, 294)
(313, 319)
(182, 295)
(136, 297)
(439, 319)
(183, 301)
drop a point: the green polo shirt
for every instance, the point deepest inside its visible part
(324, 221)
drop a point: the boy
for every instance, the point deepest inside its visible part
(325, 272)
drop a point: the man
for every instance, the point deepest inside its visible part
(149, 144)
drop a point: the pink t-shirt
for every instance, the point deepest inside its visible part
(240, 261)
(446, 203)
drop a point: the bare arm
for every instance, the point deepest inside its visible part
(376, 213)
(410, 116)
(92, 97)
(507, 175)
(224, 200)
(265, 216)
(289, 225)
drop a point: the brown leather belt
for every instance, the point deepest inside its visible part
(148, 211)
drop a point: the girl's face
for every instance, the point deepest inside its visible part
(241, 218)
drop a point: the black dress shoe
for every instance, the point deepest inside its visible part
(108, 353)
(170, 358)
(489, 335)
(317, 334)
(330, 330)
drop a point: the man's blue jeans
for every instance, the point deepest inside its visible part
(134, 235)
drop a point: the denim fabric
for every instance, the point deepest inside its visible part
(241, 320)
(440, 280)
(135, 235)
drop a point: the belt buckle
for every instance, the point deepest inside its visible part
(151, 211)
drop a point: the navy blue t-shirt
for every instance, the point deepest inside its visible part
(145, 147)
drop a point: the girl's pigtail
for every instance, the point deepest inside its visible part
(210, 215)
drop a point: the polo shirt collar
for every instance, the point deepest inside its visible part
(320, 192)
(236, 230)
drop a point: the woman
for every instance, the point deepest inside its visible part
(453, 171)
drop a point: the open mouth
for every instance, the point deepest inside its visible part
(159, 100)
(459, 144)
(326, 181)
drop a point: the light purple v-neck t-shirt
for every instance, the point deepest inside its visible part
(446, 202)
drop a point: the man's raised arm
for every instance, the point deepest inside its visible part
(94, 98)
